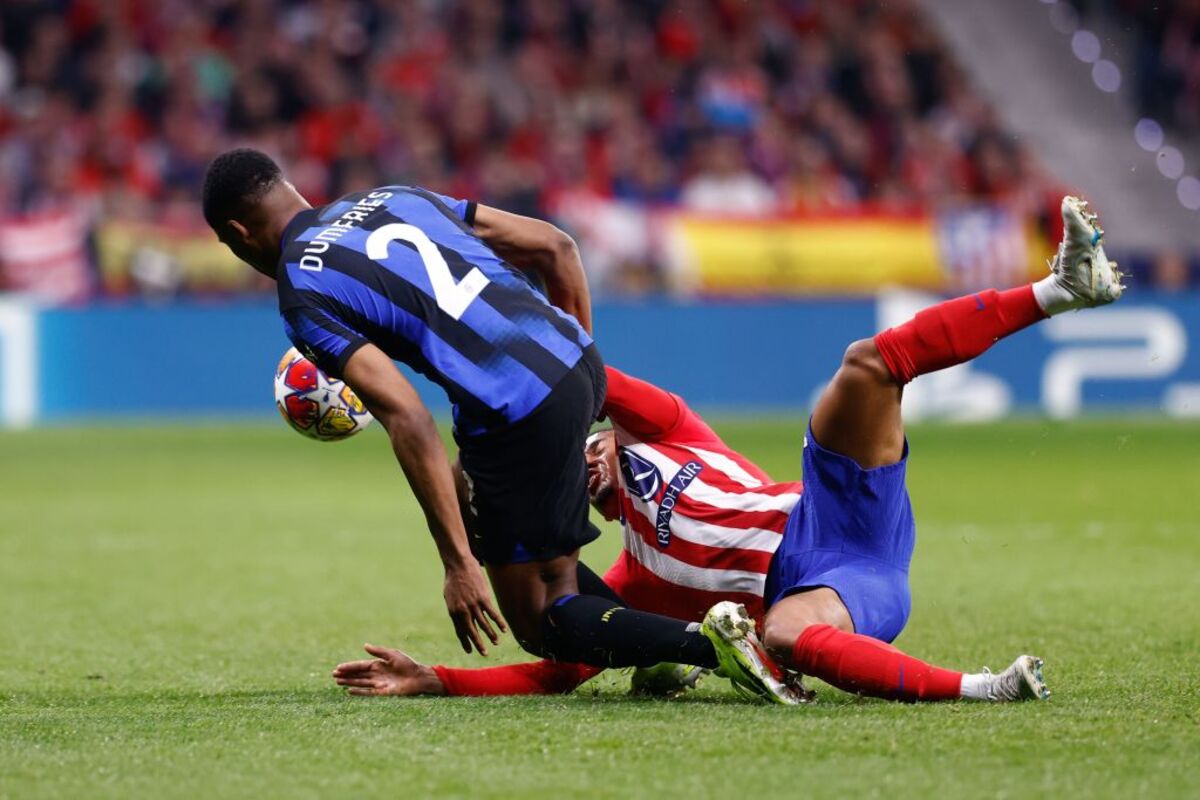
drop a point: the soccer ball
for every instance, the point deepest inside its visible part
(314, 404)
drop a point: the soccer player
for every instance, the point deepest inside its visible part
(836, 586)
(713, 542)
(400, 273)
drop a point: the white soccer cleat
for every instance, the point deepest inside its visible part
(743, 659)
(1080, 267)
(1021, 681)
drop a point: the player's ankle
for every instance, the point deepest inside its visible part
(975, 686)
(1052, 297)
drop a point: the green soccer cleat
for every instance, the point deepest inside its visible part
(665, 680)
(1021, 681)
(742, 658)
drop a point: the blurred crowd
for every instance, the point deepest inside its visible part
(1168, 59)
(719, 105)
(112, 108)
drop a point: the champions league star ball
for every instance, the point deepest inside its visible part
(314, 404)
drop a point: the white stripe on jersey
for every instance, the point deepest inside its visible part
(703, 492)
(725, 464)
(705, 533)
(682, 574)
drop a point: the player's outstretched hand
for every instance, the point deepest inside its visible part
(391, 672)
(470, 605)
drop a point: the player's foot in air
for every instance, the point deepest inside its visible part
(742, 658)
(1083, 275)
(665, 680)
(1021, 681)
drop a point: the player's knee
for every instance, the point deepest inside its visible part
(791, 617)
(526, 627)
(780, 634)
(529, 635)
(862, 361)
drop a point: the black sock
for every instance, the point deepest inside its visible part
(592, 630)
(591, 583)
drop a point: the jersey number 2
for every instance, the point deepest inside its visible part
(452, 296)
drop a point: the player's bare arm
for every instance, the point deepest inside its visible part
(537, 246)
(422, 456)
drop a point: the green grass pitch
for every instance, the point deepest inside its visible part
(172, 600)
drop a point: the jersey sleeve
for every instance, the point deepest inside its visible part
(535, 677)
(322, 337)
(465, 209)
(650, 413)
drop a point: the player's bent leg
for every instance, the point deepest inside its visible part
(525, 591)
(792, 615)
(858, 414)
(862, 665)
(594, 630)
(549, 618)
(956, 331)
(811, 633)
(949, 333)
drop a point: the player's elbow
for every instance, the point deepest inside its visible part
(559, 248)
(408, 425)
(562, 244)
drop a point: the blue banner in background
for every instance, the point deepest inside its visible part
(178, 360)
(197, 361)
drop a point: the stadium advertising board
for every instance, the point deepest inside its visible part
(206, 361)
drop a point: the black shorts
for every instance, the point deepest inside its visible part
(527, 482)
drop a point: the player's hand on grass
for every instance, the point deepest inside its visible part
(470, 605)
(391, 672)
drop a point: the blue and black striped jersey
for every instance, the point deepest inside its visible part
(401, 268)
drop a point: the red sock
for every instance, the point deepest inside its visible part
(956, 331)
(537, 677)
(860, 664)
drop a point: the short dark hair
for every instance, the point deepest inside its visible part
(234, 179)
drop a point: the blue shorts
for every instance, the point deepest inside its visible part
(852, 531)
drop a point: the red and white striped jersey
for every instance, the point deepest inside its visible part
(701, 522)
